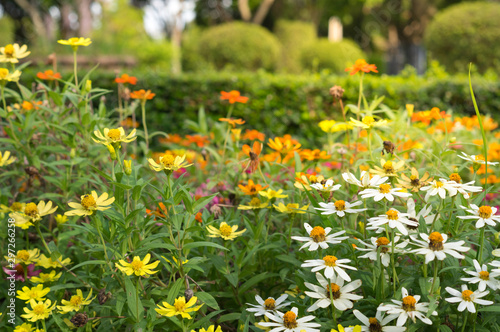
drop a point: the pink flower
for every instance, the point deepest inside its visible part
(18, 272)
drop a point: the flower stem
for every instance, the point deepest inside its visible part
(75, 70)
(435, 276)
(481, 244)
(146, 136)
(465, 321)
(394, 275)
(360, 94)
(448, 225)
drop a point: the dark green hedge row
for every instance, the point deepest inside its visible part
(282, 104)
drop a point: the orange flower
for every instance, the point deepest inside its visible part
(361, 65)
(283, 145)
(199, 140)
(129, 123)
(233, 97)
(172, 138)
(126, 79)
(48, 75)
(253, 154)
(493, 151)
(251, 188)
(160, 212)
(233, 122)
(142, 95)
(252, 134)
(198, 217)
(28, 105)
(315, 154)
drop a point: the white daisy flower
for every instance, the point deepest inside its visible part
(440, 188)
(394, 219)
(318, 237)
(288, 322)
(466, 188)
(434, 246)
(386, 245)
(483, 277)
(366, 180)
(268, 305)
(476, 159)
(424, 214)
(331, 264)
(377, 323)
(328, 186)
(340, 294)
(408, 308)
(484, 215)
(384, 191)
(467, 298)
(340, 208)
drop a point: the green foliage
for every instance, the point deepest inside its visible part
(7, 28)
(192, 60)
(294, 36)
(153, 54)
(242, 46)
(464, 33)
(335, 57)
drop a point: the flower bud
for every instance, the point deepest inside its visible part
(88, 86)
(409, 109)
(72, 153)
(80, 319)
(127, 165)
(61, 219)
(112, 152)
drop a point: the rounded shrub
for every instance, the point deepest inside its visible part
(294, 36)
(242, 46)
(464, 33)
(335, 56)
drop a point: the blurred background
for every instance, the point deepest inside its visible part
(279, 36)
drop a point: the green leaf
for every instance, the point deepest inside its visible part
(208, 299)
(200, 203)
(255, 280)
(192, 245)
(174, 291)
(135, 307)
(232, 278)
(99, 262)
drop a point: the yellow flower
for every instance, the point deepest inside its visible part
(75, 303)
(410, 108)
(270, 194)
(168, 162)
(176, 261)
(39, 310)
(180, 307)
(291, 208)
(25, 327)
(414, 182)
(388, 168)
(15, 207)
(137, 267)
(61, 219)
(255, 203)
(114, 136)
(32, 213)
(43, 278)
(326, 125)
(357, 328)
(211, 328)
(26, 256)
(34, 293)
(6, 76)
(367, 122)
(11, 53)
(127, 165)
(225, 231)
(89, 204)
(6, 159)
(75, 42)
(48, 263)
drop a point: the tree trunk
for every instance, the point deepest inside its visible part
(65, 25)
(176, 41)
(262, 11)
(84, 18)
(36, 17)
(244, 9)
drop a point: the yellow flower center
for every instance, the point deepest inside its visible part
(479, 158)
(318, 234)
(392, 215)
(388, 167)
(466, 295)
(23, 255)
(455, 177)
(255, 202)
(114, 134)
(436, 241)
(384, 188)
(225, 230)
(168, 160)
(88, 201)
(39, 309)
(330, 260)
(270, 304)
(313, 179)
(16, 207)
(339, 205)
(31, 209)
(180, 305)
(33, 294)
(76, 301)
(137, 265)
(383, 241)
(3, 73)
(439, 184)
(74, 40)
(409, 303)
(374, 325)
(9, 50)
(335, 290)
(290, 320)
(485, 275)
(368, 120)
(485, 212)
(413, 177)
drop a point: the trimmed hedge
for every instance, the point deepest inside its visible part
(292, 104)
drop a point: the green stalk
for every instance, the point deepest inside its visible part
(75, 70)
(146, 136)
(394, 275)
(435, 276)
(360, 94)
(465, 321)
(481, 245)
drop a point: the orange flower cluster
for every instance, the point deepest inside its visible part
(427, 116)
(126, 79)
(142, 95)
(363, 66)
(48, 75)
(233, 97)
